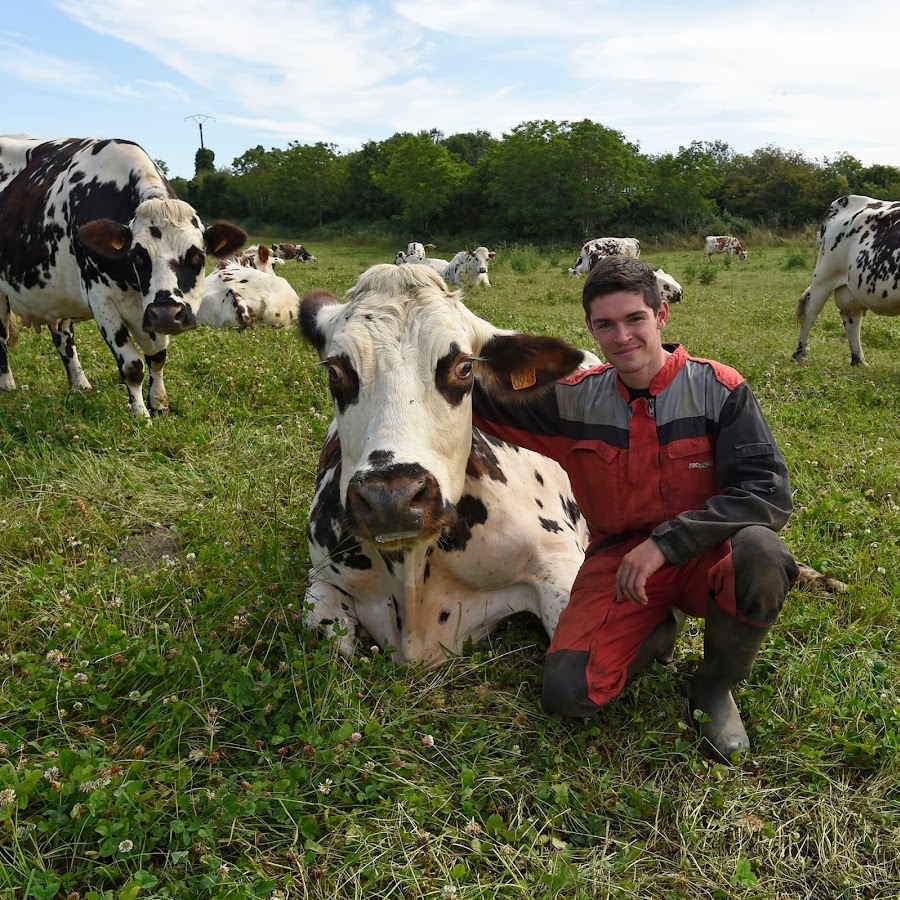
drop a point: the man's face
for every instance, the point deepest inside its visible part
(629, 334)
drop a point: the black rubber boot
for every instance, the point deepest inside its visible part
(729, 650)
(660, 643)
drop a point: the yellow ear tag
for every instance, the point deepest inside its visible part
(220, 245)
(117, 243)
(523, 378)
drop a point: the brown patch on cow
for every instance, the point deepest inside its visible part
(148, 548)
(483, 462)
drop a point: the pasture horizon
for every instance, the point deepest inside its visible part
(200, 743)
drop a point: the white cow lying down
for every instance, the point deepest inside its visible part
(240, 296)
(423, 532)
(669, 289)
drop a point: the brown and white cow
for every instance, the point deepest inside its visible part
(423, 532)
(669, 289)
(257, 256)
(470, 267)
(242, 296)
(723, 243)
(859, 262)
(90, 229)
(596, 248)
(293, 251)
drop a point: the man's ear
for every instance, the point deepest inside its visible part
(662, 317)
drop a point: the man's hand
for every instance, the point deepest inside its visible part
(636, 567)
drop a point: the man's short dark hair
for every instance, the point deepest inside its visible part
(621, 273)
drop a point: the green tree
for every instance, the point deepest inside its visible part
(422, 176)
(204, 161)
(681, 187)
(563, 180)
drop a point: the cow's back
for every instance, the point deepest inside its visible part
(50, 188)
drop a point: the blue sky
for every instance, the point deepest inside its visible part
(819, 77)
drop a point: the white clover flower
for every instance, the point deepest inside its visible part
(51, 773)
(882, 570)
(472, 827)
(54, 657)
(7, 797)
(135, 696)
(325, 786)
(80, 678)
(448, 891)
(428, 741)
(126, 846)
(356, 737)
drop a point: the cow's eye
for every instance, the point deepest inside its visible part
(335, 373)
(464, 370)
(197, 260)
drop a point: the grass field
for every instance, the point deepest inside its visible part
(168, 730)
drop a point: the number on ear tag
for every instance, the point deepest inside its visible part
(523, 378)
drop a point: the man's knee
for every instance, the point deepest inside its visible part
(565, 691)
(764, 570)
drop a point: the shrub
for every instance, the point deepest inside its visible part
(708, 274)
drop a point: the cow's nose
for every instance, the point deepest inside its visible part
(170, 317)
(397, 505)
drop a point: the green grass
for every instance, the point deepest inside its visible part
(168, 730)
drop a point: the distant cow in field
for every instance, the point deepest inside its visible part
(723, 243)
(597, 248)
(859, 262)
(439, 265)
(241, 296)
(423, 532)
(257, 257)
(669, 289)
(293, 251)
(90, 229)
(470, 267)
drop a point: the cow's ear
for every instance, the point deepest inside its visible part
(106, 238)
(311, 328)
(492, 254)
(223, 239)
(516, 365)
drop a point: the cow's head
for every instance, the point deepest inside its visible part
(414, 248)
(166, 243)
(669, 289)
(402, 356)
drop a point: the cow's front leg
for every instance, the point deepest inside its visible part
(156, 395)
(334, 611)
(852, 319)
(7, 382)
(131, 368)
(63, 334)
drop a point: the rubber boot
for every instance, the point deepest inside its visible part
(729, 649)
(660, 643)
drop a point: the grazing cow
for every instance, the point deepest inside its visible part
(859, 261)
(470, 267)
(669, 289)
(723, 243)
(423, 531)
(241, 296)
(597, 248)
(256, 257)
(293, 251)
(90, 229)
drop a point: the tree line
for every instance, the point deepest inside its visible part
(544, 181)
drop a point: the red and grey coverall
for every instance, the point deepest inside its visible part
(695, 466)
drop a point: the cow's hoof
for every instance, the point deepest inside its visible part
(159, 411)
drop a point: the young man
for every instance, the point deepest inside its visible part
(684, 490)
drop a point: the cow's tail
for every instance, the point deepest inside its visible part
(802, 303)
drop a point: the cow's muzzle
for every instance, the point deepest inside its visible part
(397, 506)
(170, 317)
